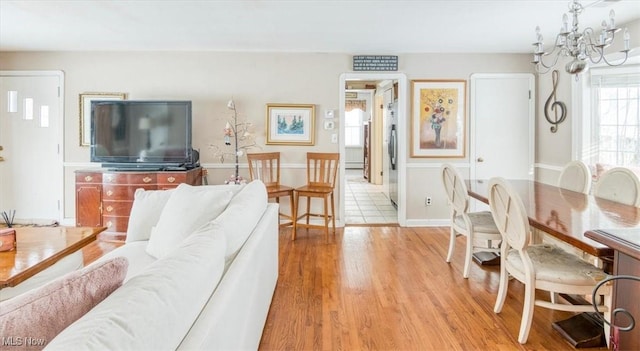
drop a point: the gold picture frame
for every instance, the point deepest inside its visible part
(85, 112)
(438, 118)
(290, 124)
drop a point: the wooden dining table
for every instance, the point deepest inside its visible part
(566, 215)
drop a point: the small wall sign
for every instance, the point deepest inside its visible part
(375, 63)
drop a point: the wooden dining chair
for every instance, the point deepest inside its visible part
(619, 184)
(475, 226)
(543, 266)
(575, 176)
(266, 167)
(322, 171)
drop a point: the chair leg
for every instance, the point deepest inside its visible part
(502, 287)
(293, 209)
(527, 312)
(308, 210)
(294, 214)
(467, 256)
(326, 217)
(333, 214)
(452, 244)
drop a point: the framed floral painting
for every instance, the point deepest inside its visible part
(438, 118)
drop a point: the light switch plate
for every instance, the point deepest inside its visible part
(329, 113)
(334, 138)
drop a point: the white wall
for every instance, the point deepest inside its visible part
(209, 79)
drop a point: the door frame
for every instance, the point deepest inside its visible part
(59, 168)
(402, 135)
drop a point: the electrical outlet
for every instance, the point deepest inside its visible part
(427, 201)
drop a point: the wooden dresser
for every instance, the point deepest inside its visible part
(104, 198)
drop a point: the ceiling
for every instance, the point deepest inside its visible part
(329, 26)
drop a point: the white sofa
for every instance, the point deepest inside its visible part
(212, 292)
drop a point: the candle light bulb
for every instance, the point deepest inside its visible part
(565, 23)
(612, 21)
(627, 38)
(538, 35)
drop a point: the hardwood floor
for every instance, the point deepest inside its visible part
(389, 288)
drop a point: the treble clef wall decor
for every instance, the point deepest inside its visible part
(555, 105)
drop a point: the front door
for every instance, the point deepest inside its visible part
(31, 161)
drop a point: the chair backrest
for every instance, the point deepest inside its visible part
(455, 188)
(619, 184)
(322, 169)
(265, 166)
(575, 176)
(509, 214)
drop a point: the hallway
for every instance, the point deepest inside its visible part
(366, 203)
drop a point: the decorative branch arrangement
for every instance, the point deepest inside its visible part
(243, 140)
(8, 217)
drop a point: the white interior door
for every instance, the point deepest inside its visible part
(31, 167)
(502, 126)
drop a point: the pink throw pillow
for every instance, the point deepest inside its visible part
(31, 320)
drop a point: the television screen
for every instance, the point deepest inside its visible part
(130, 132)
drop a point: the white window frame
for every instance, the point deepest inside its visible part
(581, 103)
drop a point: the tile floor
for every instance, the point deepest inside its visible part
(366, 203)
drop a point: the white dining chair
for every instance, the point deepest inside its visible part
(575, 176)
(476, 226)
(543, 266)
(619, 184)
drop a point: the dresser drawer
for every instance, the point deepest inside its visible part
(115, 223)
(123, 192)
(129, 178)
(88, 177)
(169, 180)
(116, 208)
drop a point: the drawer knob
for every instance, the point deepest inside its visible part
(171, 179)
(109, 192)
(110, 179)
(146, 179)
(109, 208)
(109, 224)
(88, 178)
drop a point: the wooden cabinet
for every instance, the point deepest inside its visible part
(104, 198)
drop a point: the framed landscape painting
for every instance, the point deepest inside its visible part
(438, 117)
(290, 124)
(85, 112)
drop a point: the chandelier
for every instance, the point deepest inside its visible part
(588, 44)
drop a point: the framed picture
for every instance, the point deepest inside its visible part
(438, 118)
(85, 112)
(290, 124)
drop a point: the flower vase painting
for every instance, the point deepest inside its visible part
(290, 124)
(438, 118)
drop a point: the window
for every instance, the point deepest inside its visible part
(611, 134)
(353, 128)
(355, 111)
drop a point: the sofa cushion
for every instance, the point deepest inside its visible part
(145, 212)
(155, 309)
(44, 312)
(187, 209)
(135, 252)
(242, 214)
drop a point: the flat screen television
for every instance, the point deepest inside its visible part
(141, 134)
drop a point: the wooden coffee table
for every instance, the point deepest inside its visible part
(40, 247)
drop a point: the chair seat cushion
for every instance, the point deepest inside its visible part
(552, 264)
(482, 222)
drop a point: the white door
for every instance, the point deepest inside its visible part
(502, 126)
(31, 167)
